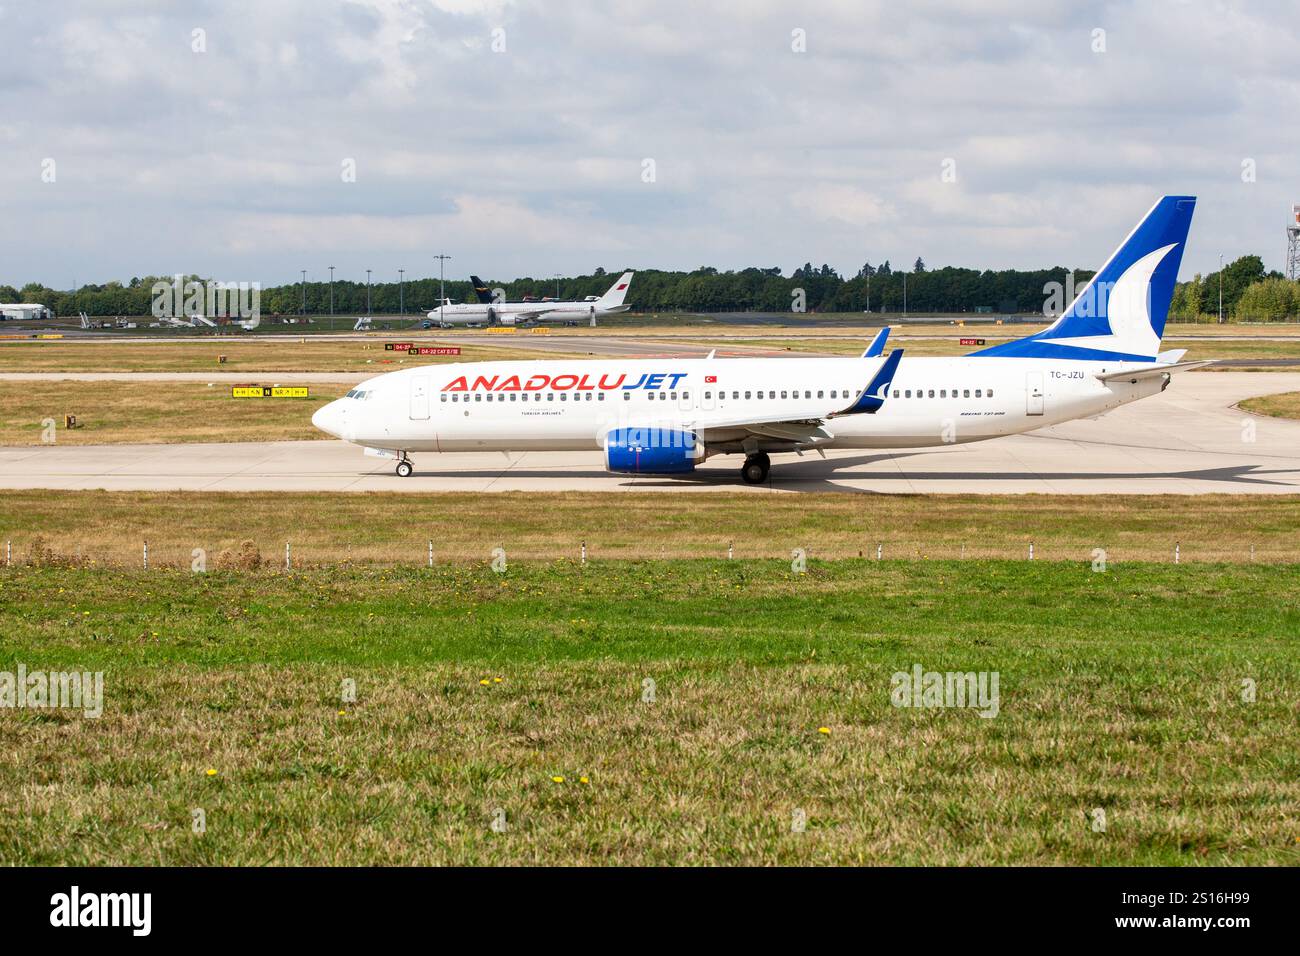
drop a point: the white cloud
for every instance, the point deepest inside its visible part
(529, 161)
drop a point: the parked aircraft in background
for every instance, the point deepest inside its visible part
(667, 416)
(493, 312)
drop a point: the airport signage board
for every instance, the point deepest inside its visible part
(398, 346)
(434, 350)
(971, 342)
(268, 391)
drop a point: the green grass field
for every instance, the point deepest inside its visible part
(476, 690)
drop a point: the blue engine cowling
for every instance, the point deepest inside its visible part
(651, 451)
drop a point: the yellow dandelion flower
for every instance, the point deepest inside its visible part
(583, 780)
(557, 780)
(485, 682)
(823, 730)
(212, 772)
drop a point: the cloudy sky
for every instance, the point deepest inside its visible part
(529, 138)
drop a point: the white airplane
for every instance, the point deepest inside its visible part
(189, 322)
(491, 312)
(667, 416)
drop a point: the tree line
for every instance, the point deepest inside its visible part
(1248, 292)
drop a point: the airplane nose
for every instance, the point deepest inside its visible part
(329, 419)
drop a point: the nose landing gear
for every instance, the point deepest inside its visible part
(404, 468)
(756, 468)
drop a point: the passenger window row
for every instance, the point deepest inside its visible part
(835, 393)
(520, 396)
(943, 393)
(784, 393)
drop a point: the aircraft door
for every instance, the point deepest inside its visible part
(1033, 393)
(419, 397)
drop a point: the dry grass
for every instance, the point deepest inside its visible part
(323, 353)
(379, 529)
(281, 354)
(1285, 405)
(142, 412)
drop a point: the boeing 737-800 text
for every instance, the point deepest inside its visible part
(664, 417)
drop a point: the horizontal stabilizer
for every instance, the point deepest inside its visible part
(1150, 371)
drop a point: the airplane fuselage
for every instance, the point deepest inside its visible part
(572, 405)
(510, 313)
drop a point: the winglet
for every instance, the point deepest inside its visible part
(873, 396)
(877, 346)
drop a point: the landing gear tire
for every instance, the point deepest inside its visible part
(755, 469)
(404, 468)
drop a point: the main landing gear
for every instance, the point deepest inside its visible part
(404, 468)
(755, 469)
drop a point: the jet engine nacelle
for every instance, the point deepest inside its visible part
(651, 451)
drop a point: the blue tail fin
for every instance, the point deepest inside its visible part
(1120, 314)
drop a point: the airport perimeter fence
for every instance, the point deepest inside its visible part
(249, 556)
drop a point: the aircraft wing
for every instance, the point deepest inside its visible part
(533, 314)
(811, 430)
